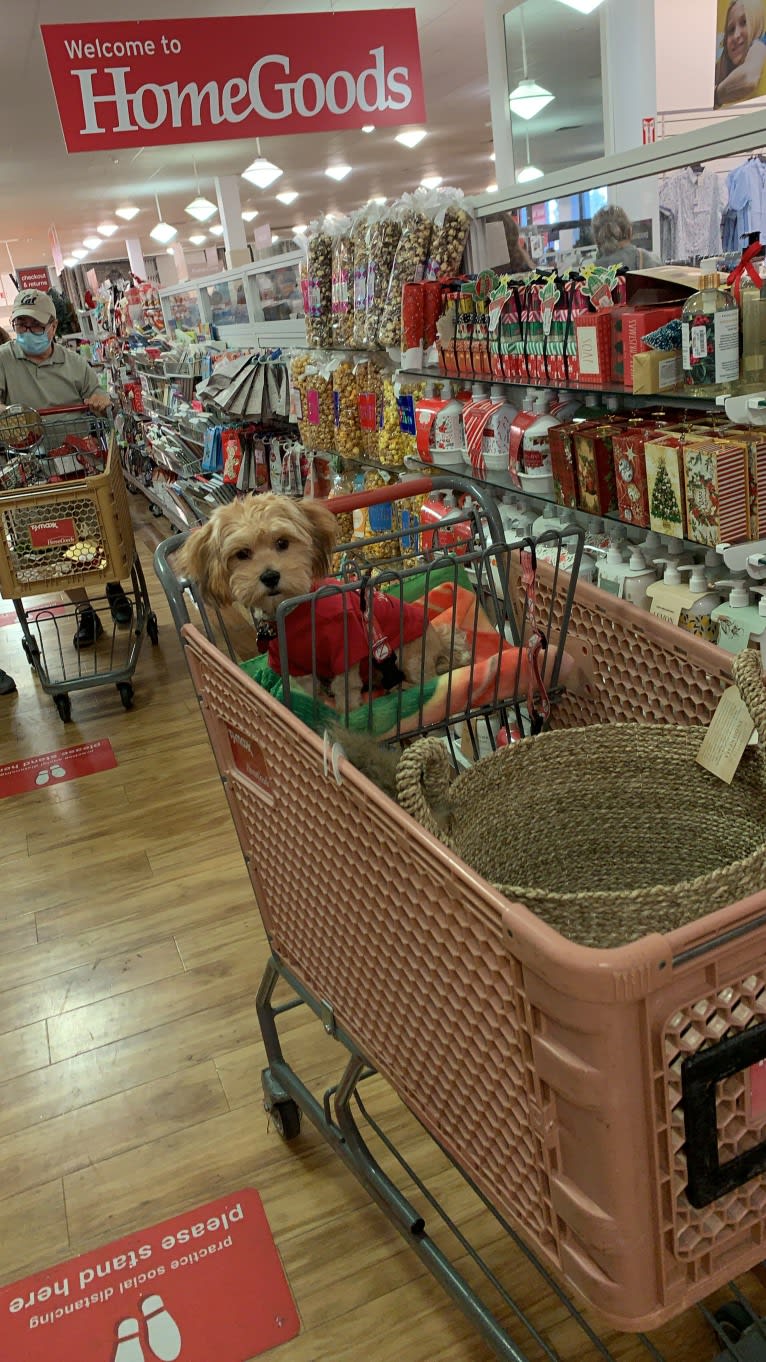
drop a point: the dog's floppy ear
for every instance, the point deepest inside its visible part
(323, 526)
(201, 561)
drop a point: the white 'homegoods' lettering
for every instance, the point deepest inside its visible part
(152, 106)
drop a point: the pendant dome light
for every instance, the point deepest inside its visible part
(529, 98)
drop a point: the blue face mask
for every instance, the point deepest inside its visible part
(32, 344)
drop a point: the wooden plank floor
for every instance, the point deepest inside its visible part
(130, 1056)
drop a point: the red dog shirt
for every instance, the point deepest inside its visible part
(342, 637)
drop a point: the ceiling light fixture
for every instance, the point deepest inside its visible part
(584, 6)
(217, 229)
(261, 172)
(288, 197)
(529, 98)
(200, 208)
(492, 156)
(274, 238)
(198, 239)
(381, 199)
(92, 242)
(411, 139)
(249, 214)
(69, 262)
(78, 254)
(368, 127)
(299, 228)
(338, 172)
(528, 172)
(128, 213)
(107, 228)
(491, 188)
(431, 181)
(170, 250)
(162, 232)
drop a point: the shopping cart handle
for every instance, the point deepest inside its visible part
(398, 491)
(58, 411)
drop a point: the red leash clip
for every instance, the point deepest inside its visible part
(538, 704)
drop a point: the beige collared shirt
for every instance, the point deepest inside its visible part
(61, 381)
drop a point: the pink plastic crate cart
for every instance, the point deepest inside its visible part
(608, 1106)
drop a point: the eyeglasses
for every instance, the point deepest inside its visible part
(37, 328)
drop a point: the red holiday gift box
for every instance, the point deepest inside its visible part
(630, 325)
(595, 468)
(628, 448)
(594, 345)
(716, 492)
(564, 462)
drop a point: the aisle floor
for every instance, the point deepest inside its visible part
(130, 1060)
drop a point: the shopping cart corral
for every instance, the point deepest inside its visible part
(550, 1077)
(64, 525)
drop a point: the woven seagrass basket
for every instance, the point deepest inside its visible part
(609, 832)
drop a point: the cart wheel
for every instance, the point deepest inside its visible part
(64, 706)
(155, 510)
(286, 1117)
(133, 490)
(734, 1319)
(126, 694)
(152, 629)
(31, 651)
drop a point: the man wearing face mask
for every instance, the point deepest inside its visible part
(36, 372)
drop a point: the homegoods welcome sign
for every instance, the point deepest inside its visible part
(151, 82)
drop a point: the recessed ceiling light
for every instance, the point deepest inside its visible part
(92, 242)
(274, 238)
(262, 172)
(338, 172)
(170, 250)
(163, 232)
(249, 214)
(491, 188)
(492, 156)
(198, 239)
(432, 181)
(288, 197)
(127, 213)
(299, 228)
(411, 139)
(380, 199)
(217, 229)
(584, 6)
(529, 173)
(78, 254)
(70, 261)
(200, 208)
(368, 127)
(529, 99)
(107, 228)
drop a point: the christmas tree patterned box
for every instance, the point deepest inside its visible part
(716, 490)
(665, 481)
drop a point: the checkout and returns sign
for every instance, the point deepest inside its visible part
(154, 82)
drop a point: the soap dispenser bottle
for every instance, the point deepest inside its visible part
(697, 618)
(738, 621)
(639, 576)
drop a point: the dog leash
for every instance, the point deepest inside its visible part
(538, 704)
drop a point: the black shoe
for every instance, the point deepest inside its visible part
(7, 684)
(89, 628)
(119, 604)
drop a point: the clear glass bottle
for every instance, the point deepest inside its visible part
(710, 339)
(752, 303)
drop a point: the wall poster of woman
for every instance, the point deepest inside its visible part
(740, 70)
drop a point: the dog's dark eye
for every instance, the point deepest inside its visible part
(282, 544)
(243, 555)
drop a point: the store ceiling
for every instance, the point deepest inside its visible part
(42, 184)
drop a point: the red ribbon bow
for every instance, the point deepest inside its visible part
(746, 266)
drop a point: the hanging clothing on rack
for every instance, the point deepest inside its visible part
(747, 200)
(694, 201)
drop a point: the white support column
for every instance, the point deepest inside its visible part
(497, 68)
(230, 209)
(135, 256)
(629, 85)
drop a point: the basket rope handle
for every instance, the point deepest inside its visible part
(748, 675)
(422, 779)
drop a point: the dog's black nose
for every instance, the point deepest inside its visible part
(270, 579)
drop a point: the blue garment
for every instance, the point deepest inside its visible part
(747, 199)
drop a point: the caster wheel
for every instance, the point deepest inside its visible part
(64, 706)
(31, 652)
(155, 510)
(126, 694)
(734, 1319)
(286, 1119)
(152, 630)
(133, 490)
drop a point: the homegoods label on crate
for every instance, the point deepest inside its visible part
(48, 534)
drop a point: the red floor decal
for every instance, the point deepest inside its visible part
(55, 608)
(56, 768)
(207, 1286)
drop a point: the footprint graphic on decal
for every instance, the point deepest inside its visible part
(163, 1332)
(42, 777)
(58, 771)
(128, 1343)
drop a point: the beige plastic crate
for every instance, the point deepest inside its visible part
(96, 506)
(551, 1072)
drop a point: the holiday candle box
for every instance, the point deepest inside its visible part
(630, 325)
(665, 482)
(593, 331)
(628, 448)
(716, 492)
(595, 468)
(564, 461)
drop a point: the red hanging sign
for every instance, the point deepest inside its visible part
(205, 1285)
(154, 82)
(33, 276)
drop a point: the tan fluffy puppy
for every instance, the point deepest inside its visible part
(258, 552)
